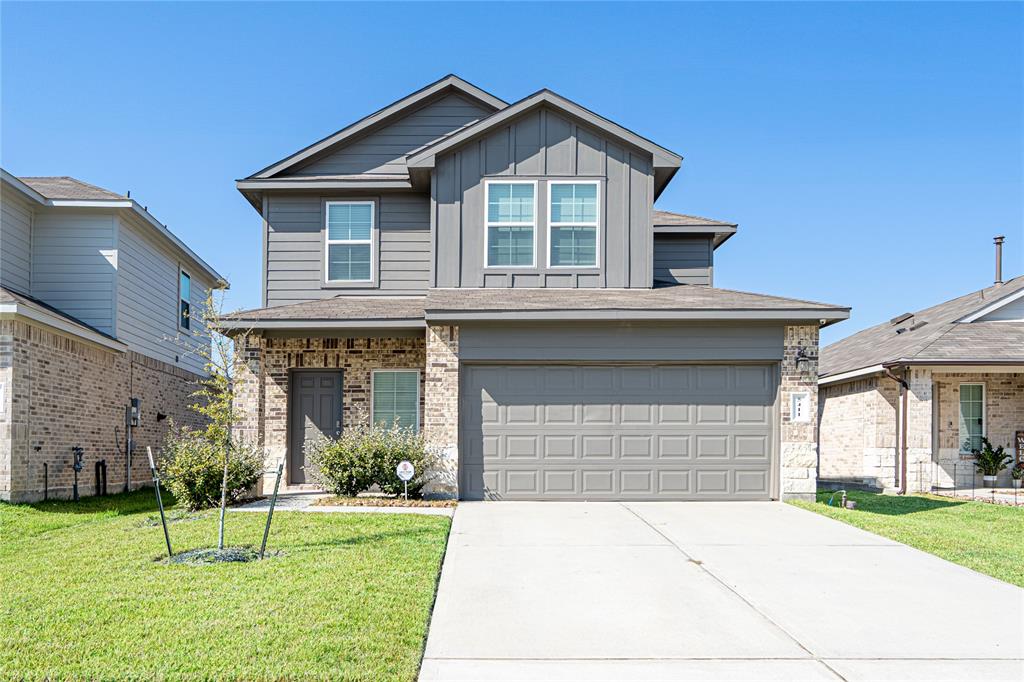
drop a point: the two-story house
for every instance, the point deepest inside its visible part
(98, 336)
(497, 275)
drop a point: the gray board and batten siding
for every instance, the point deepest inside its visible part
(540, 145)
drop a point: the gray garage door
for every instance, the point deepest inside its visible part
(598, 432)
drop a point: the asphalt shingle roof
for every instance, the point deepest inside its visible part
(65, 187)
(339, 308)
(669, 218)
(940, 337)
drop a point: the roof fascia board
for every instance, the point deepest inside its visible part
(959, 362)
(48, 319)
(852, 374)
(17, 184)
(427, 157)
(368, 183)
(403, 323)
(992, 307)
(219, 281)
(379, 116)
(625, 315)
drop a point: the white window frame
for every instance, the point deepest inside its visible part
(419, 398)
(183, 271)
(984, 414)
(488, 224)
(596, 224)
(328, 241)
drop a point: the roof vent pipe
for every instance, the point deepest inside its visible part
(999, 258)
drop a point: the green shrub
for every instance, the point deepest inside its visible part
(192, 468)
(364, 456)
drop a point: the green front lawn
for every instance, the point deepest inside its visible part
(985, 537)
(83, 594)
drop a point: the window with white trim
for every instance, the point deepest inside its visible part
(573, 224)
(511, 224)
(972, 417)
(184, 300)
(348, 251)
(396, 398)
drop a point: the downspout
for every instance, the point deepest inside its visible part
(901, 425)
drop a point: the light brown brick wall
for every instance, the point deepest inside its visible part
(65, 392)
(799, 439)
(441, 422)
(857, 427)
(265, 369)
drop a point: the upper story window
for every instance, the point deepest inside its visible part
(184, 300)
(348, 251)
(972, 417)
(511, 224)
(573, 224)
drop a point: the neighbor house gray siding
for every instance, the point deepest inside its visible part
(542, 145)
(295, 243)
(74, 263)
(15, 241)
(619, 342)
(681, 259)
(147, 298)
(383, 151)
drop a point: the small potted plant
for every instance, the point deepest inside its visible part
(990, 462)
(1017, 474)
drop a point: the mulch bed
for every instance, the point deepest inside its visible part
(212, 555)
(381, 502)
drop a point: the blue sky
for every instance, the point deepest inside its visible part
(868, 151)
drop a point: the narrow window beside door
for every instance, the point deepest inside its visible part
(396, 398)
(349, 246)
(184, 300)
(972, 417)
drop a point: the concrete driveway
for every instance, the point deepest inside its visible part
(670, 591)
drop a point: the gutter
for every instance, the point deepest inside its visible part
(901, 425)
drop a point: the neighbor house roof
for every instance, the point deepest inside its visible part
(934, 335)
(65, 191)
(666, 222)
(14, 303)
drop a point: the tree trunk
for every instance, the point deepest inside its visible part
(223, 499)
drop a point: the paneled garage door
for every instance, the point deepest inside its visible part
(605, 432)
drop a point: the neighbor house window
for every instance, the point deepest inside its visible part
(396, 398)
(972, 416)
(573, 224)
(349, 247)
(184, 300)
(511, 224)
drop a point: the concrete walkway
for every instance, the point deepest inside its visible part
(680, 591)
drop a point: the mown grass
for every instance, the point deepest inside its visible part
(84, 594)
(981, 536)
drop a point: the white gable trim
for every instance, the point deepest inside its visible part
(992, 307)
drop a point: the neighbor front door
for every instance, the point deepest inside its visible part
(315, 404)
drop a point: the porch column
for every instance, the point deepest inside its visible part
(249, 394)
(799, 453)
(920, 428)
(441, 407)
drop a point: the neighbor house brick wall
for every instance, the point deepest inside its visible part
(857, 431)
(441, 422)
(67, 392)
(799, 439)
(266, 365)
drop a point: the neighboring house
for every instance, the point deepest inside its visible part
(904, 403)
(96, 303)
(492, 273)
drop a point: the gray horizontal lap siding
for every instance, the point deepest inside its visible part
(69, 268)
(384, 150)
(295, 242)
(682, 259)
(15, 241)
(147, 298)
(543, 145)
(619, 342)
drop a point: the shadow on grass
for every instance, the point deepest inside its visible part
(890, 505)
(120, 504)
(361, 539)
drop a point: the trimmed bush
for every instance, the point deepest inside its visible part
(193, 468)
(367, 455)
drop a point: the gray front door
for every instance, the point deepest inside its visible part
(315, 404)
(606, 432)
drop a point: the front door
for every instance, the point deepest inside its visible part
(315, 403)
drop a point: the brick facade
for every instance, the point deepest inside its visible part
(61, 392)
(441, 423)
(266, 365)
(799, 439)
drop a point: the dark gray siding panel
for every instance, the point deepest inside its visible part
(619, 342)
(384, 151)
(15, 241)
(295, 247)
(680, 259)
(542, 145)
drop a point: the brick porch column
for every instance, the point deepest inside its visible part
(799, 453)
(249, 394)
(919, 431)
(441, 406)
